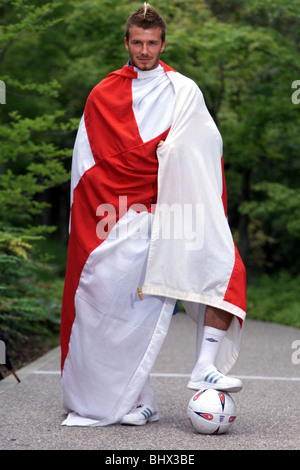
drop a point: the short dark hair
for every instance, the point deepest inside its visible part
(146, 17)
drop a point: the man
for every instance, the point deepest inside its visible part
(148, 226)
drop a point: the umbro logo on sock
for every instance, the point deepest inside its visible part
(212, 340)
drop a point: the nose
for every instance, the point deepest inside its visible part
(144, 50)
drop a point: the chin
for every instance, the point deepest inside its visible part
(148, 66)
(145, 67)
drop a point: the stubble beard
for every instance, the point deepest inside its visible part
(145, 67)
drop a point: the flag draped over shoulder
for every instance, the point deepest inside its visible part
(200, 262)
(148, 218)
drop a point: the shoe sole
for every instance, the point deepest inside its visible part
(223, 388)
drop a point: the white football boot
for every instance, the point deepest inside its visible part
(212, 378)
(140, 415)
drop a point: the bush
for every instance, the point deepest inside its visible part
(30, 293)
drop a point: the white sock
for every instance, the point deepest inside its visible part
(146, 396)
(212, 339)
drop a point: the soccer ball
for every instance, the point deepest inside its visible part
(211, 411)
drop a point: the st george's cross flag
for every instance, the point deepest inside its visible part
(148, 227)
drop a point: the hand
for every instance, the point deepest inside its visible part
(160, 143)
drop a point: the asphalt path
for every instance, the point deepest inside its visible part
(268, 409)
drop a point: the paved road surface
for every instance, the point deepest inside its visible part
(268, 409)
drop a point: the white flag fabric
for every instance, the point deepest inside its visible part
(142, 217)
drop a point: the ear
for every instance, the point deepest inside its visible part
(126, 44)
(163, 46)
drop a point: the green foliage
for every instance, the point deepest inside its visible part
(282, 203)
(32, 161)
(33, 164)
(28, 303)
(275, 299)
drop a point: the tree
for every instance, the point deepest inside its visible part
(31, 162)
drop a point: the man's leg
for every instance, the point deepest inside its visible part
(217, 318)
(205, 374)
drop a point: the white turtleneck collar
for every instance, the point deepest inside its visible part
(153, 101)
(159, 70)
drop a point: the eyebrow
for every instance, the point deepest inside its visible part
(149, 40)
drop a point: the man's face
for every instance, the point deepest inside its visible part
(144, 47)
